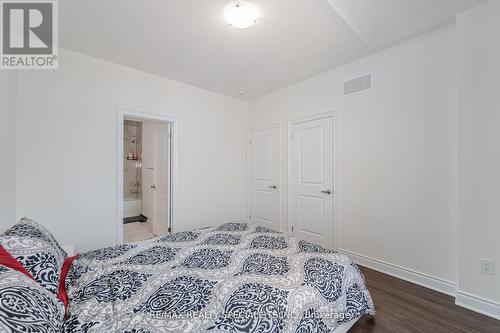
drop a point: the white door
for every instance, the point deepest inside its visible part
(161, 177)
(264, 177)
(311, 180)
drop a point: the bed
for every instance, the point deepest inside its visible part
(234, 277)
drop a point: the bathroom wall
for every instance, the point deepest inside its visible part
(132, 159)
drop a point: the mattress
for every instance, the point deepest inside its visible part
(234, 277)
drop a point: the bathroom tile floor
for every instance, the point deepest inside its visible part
(134, 232)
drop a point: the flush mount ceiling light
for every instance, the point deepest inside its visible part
(240, 14)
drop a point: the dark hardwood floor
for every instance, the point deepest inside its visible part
(404, 307)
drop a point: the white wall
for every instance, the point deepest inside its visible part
(8, 96)
(479, 155)
(66, 146)
(394, 152)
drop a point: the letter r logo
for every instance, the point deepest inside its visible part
(27, 28)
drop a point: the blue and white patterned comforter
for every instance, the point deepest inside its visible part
(235, 277)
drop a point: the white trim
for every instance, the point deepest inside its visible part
(478, 304)
(121, 114)
(249, 134)
(468, 301)
(306, 119)
(265, 128)
(425, 280)
(291, 123)
(336, 171)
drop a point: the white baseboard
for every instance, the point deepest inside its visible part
(478, 304)
(471, 302)
(425, 280)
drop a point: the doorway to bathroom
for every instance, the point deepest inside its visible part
(146, 176)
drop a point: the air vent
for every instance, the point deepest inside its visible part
(357, 85)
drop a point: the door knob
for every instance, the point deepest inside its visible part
(273, 186)
(327, 192)
(153, 186)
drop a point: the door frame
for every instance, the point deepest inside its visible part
(249, 136)
(121, 114)
(291, 123)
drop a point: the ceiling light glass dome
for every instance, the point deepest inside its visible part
(240, 14)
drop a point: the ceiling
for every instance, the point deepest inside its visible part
(189, 40)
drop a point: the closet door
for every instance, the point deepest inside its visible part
(264, 178)
(311, 180)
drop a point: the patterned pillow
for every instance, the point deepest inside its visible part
(37, 250)
(27, 307)
(29, 228)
